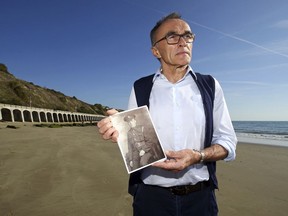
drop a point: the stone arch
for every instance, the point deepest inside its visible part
(35, 116)
(69, 118)
(60, 117)
(43, 117)
(65, 117)
(49, 117)
(6, 114)
(17, 115)
(27, 116)
(55, 117)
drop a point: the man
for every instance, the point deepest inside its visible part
(192, 120)
(140, 146)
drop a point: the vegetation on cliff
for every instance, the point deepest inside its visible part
(19, 92)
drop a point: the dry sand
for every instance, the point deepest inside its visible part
(72, 171)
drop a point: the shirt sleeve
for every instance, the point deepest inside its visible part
(224, 133)
(132, 103)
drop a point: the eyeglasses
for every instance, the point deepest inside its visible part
(174, 38)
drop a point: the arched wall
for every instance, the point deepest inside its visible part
(15, 113)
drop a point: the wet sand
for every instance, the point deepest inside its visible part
(72, 171)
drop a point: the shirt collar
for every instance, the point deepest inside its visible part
(189, 70)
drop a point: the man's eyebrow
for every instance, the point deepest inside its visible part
(188, 32)
(170, 33)
(173, 32)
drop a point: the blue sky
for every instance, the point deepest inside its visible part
(95, 49)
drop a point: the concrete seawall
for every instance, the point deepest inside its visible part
(15, 113)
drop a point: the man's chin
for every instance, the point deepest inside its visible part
(184, 61)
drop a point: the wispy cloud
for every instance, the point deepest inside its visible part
(276, 68)
(282, 24)
(246, 83)
(254, 84)
(280, 46)
(241, 39)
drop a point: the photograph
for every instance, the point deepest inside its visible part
(138, 140)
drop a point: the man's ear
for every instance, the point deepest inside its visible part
(155, 52)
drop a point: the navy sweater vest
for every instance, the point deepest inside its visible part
(206, 85)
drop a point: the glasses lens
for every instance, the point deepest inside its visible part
(189, 38)
(174, 38)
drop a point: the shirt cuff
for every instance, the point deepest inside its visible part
(229, 146)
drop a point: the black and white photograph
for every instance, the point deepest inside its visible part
(138, 140)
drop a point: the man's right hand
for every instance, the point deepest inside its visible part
(106, 128)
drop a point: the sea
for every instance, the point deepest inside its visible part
(262, 132)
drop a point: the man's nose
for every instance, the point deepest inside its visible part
(181, 41)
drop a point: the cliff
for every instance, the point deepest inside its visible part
(19, 92)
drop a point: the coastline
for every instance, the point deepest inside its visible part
(72, 171)
(263, 139)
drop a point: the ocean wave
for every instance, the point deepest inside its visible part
(265, 139)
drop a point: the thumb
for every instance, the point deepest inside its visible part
(171, 154)
(112, 112)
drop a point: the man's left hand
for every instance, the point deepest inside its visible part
(179, 160)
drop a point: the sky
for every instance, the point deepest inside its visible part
(95, 49)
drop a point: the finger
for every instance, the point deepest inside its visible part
(158, 164)
(107, 119)
(167, 164)
(168, 167)
(115, 136)
(103, 122)
(105, 127)
(172, 154)
(108, 133)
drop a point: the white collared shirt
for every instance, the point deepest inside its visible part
(177, 113)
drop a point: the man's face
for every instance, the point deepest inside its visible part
(179, 54)
(132, 123)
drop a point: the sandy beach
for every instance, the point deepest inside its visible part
(72, 171)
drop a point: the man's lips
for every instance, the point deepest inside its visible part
(183, 53)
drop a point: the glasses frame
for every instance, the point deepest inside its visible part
(180, 36)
